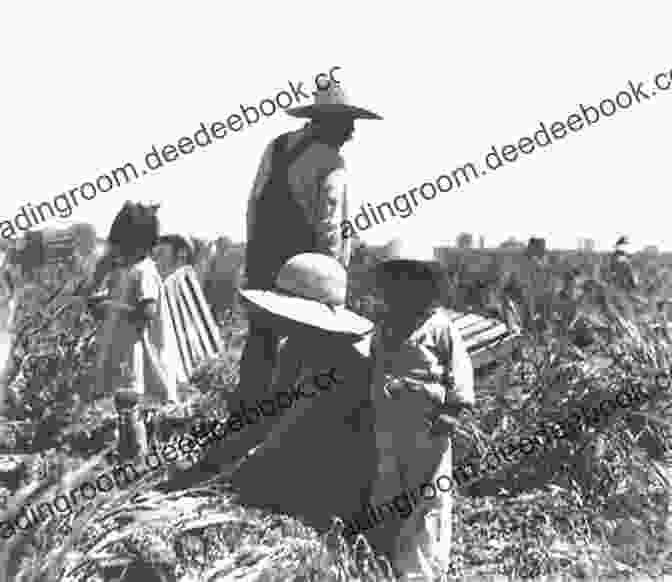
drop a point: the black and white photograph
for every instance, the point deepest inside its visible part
(352, 292)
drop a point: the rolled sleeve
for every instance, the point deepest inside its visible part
(331, 211)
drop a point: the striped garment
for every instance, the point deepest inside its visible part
(198, 336)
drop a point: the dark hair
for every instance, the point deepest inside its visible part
(178, 243)
(135, 229)
(415, 270)
(428, 278)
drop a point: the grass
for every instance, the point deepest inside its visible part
(596, 508)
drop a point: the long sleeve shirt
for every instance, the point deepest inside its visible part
(318, 182)
(424, 359)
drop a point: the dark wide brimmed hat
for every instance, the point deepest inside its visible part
(311, 289)
(331, 101)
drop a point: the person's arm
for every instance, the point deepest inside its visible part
(458, 378)
(146, 300)
(103, 267)
(332, 210)
(239, 444)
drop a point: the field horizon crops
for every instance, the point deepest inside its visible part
(595, 507)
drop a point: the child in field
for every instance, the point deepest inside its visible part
(422, 378)
(137, 323)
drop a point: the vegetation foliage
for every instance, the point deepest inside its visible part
(596, 506)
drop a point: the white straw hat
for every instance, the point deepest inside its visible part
(311, 289)
(331, 100)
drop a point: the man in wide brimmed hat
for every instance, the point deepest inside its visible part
(297, 204)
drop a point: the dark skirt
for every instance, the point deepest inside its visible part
(327, 460)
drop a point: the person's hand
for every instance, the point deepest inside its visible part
(446, 420)
(443, 424)
(394, 386)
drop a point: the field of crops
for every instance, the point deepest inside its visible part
(595, 507)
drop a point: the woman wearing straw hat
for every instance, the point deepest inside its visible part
(422, 378)
(318, 460)
(297, 205)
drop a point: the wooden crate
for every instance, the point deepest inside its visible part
(198, 336)
(487, 340)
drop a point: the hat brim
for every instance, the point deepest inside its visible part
(312, 313)
(312, 111)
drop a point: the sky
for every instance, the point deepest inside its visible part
(89, 86)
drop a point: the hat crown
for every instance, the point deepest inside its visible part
(331, 95)
(331, 100)
(316, 277)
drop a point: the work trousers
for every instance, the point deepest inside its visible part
(410, 456)
(258, 360)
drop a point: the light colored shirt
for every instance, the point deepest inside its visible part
(320, 189)
(145, 351)
(422, 361)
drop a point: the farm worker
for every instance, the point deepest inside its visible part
(422, 379)
(221, 277)
(538, 284)
(566, 304)
(318, 460)
(620, 266)
(297, 204)
(137, 322)
(172, 252)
